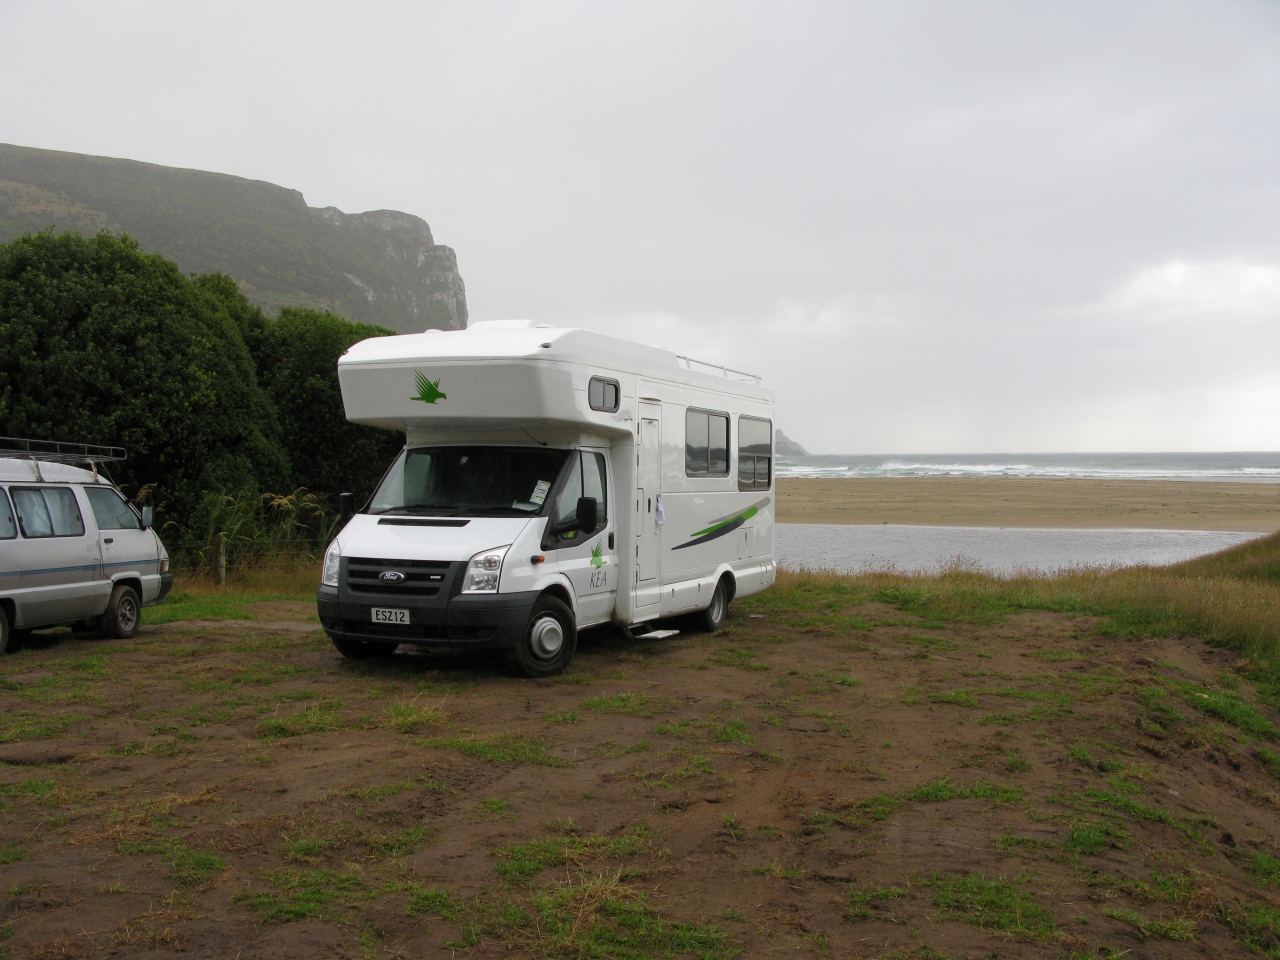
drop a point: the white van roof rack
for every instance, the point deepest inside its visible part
(729, 372)
(55, 451)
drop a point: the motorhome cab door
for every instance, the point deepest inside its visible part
(589, 559)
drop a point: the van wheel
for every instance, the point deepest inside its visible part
(549, 640)
(5, 633)
(124, 613)
(364, 649)
(713, 618)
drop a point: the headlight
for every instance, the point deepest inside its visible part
(483, 571)
(329, 573)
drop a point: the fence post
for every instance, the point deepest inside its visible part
(222, 559)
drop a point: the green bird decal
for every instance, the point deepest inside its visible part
(428, 390)
(597, 556)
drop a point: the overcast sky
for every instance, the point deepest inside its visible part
(931, 227)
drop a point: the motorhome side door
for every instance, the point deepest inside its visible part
(648, 489)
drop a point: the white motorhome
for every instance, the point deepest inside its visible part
(552, 480)
(73, 550)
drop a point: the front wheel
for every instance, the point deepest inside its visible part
(124, 613)
(5, 634)
(364, 649)
(713, 618)
(549, 642)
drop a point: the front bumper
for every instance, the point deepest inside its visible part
(479, 621)
(166, 584)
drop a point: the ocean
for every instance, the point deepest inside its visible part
(1238, 467)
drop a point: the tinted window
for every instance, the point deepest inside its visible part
(755, 453)
(8, 526)
(603, 394)
(48, 512)
(706, 444)
(110, 510)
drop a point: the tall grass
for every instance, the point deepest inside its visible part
(257, 531)
(1229, 599)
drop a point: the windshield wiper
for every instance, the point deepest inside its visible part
(438, 509)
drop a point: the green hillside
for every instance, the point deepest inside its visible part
(381, 267)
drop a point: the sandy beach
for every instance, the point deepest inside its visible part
(1018, 502)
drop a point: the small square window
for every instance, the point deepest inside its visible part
(603, 395)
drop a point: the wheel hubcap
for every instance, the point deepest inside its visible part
(128, 614)
(717, 606)
(546, 637)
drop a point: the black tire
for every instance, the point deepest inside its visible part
(124, 613)
(364, 649)
(6, 635)
(712, 619)
(549, 641)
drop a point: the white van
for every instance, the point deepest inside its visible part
(552, 480)
(73, 550)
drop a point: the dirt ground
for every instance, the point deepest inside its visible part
(821, 779)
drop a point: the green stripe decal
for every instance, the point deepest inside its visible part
(745, 515)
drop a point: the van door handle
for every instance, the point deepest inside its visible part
(108, 540)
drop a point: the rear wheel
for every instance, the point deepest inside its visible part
(713, 618)
(124, 613)
(5, 633)
(364, 649)
(549, 642)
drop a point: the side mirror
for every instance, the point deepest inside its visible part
(148, 516)
(588, 514)
(346, 508)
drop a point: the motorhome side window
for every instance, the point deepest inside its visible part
(8, 526)
(587, 479)
(110, 510)
(47, 512)
(755, 453)
(603, 394)
(706, 444)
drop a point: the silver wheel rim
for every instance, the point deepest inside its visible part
(546, 637)
(717, 605)
(128, 613)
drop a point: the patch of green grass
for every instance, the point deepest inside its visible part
(960, 697)
(503, 748)
(864, 903)
(997, 905)
(522, 861)
(628, 704)
(189, 866)
(943, 789)
(437, 903)
(1179, 931)
(410, 717)
(1265, 869)
(38, 724)
(12, 854)
(562, 717)
(302, 895)
(1086, 838)
(495, 807)
(734, 730)
(741, 657)
(1231, 710)
(1016, 763)
(316, 718)
(380, 792)
(394, 843)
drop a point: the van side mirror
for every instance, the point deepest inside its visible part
(346, 508)
(588, 514)
(148, 517)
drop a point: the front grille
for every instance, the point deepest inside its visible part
(422, 578)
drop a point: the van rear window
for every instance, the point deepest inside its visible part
(8, 528)
(47, 512)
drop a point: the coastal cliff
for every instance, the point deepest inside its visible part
(382, 267)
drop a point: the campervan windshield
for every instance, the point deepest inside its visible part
(474, 481)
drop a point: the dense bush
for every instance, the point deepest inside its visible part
(101, 342)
